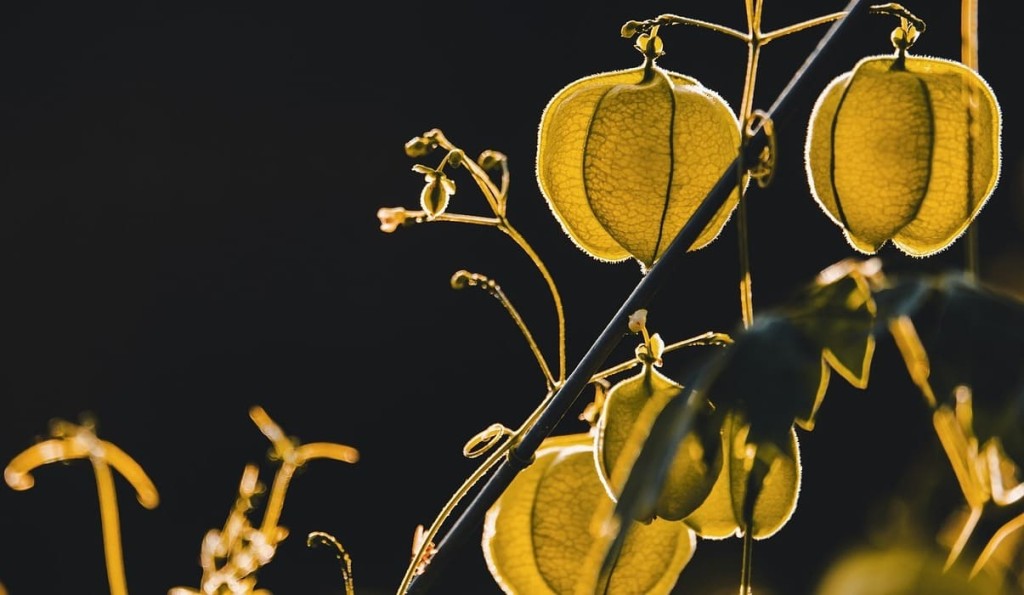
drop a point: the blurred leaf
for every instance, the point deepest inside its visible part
(772, 373)
(974, 336)
(757, 488)
(837, 311)
(902, 570)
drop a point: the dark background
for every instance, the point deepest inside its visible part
(188, 197)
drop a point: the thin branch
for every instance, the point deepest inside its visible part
(673, 19)
(789, 29)
(483, 180)
(464, 278)
(553, 289)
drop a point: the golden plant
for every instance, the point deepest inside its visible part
(649, 165)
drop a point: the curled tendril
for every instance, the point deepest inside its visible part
(420, 146)
(73, 441)
(491, 159)
(462, 279)
(764, 171)
(486, 440)
(904, 36)
(326, 539)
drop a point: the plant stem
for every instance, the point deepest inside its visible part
(746, 586)
(465, 278)
(703, 339)
(746, 107)
(449, 507)
(969, 56)
(520, 457)
(497, 199)
(550, 281)
(111, 527)
(672, 19)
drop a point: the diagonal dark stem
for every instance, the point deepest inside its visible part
(471, 519)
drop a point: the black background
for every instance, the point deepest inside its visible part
(188, 197)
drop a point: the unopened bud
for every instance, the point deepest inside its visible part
(637, 320)
(491, 159)
(419, 146)
(391, 219)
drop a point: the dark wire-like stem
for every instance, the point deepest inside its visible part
(667, 267)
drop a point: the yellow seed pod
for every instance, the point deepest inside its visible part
(624, 158)
(538, 532)
(637, 400)
(906, 149)
(721, 514)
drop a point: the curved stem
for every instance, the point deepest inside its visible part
(672, 19)
(500, 451)
(421, 217)
(506, 227)
(449, 507)
(463, 278)
(795, 28)
(502, 223)
(1015, 524)
(346, 562)
(111, 527)
(495, 198)
(292, 457)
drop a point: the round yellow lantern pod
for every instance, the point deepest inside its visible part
(904, 149)
(538, 533)
(693, 470)
(624, 158)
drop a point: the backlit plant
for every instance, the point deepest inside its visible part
(647, 164)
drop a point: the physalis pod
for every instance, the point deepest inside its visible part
(904, 148)
(624, 159)
(631, 406)
(538, 532)
(757, 486)
(718, 482)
